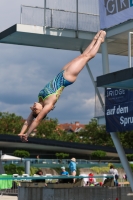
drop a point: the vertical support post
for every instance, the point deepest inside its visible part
(129, 50)
(44, 16)
(94, 84)
(105, 60)
(76, 18)
(27, 167)
(123, 158)
(21, 14)
(2, 171)
(51, 18)
(114, 136)
(0, 153)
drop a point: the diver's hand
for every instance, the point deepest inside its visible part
(23, 137)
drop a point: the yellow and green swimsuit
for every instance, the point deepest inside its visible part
(55, 86)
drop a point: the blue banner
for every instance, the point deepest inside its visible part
(118, 110)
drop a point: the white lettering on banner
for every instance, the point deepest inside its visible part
(114, 12)
(115, 92)
(113, 7)
(126, 120)
(122, 3)
(111, 111)
(121, 110)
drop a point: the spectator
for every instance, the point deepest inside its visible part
(85, 180)
(72, 167)
(37, 159)
(92, 181)
(104, 178)
(114, 172)
(125, 177)
(89, 184)
(39, 172)
(64, 172)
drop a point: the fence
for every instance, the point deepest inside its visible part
(57, 163)
(10, 184)
(62, 19)
(80, 193)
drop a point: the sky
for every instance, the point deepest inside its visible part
(25, 70)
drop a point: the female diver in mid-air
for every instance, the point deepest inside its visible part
(49, 95)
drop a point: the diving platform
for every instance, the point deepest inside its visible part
(66, 39)
(39, 36)
(120, 79)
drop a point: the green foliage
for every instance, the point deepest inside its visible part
(13, 169)
(109, 164)
(131, 165)
(130, 157)
(21, 153)
(95, 134)
(100, 170)
(33, 170)
(126, 139)
(61, 155)
(99, 154)
(10, 123)
(91, 134)
(46, 128)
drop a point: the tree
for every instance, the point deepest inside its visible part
(130, 157)
(10, 123)
(21, 153)
(62, 155)
(126, 139)
(98, 154)
(95, 134)
(131, 165)
(47, 129)
(91, 134)
(13, 169)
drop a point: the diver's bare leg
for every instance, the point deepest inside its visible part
(76, 65)
(91, 45)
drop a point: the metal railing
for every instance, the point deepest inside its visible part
(58, 163)
(11, 183)
(62, 19)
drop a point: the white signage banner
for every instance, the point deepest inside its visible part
(114, 12)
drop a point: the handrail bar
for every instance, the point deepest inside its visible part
(51, 177)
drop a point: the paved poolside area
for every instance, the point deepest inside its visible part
(7, 197)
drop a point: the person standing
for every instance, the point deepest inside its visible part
(114, 172)
(72, 167)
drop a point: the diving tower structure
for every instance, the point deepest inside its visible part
(72, 28)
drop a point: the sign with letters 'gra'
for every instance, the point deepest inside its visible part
(114, 12)
(118, 110)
